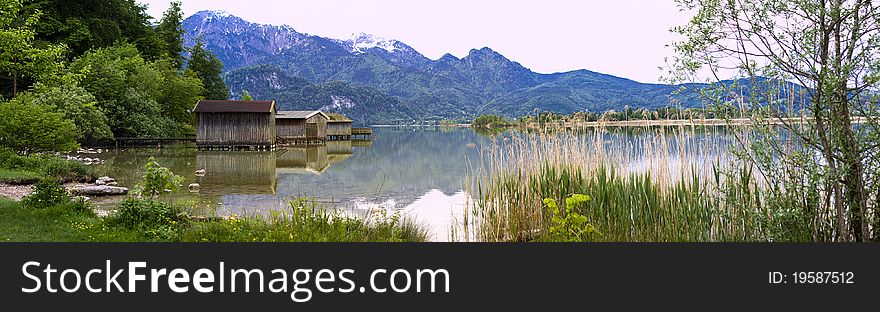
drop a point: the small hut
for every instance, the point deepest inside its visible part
(338, 127)
(301, 126)
(235, 124)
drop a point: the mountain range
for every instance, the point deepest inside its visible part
(380, 81)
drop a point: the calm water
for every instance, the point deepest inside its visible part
(418, 172)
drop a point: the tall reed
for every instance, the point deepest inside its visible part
(645, 184)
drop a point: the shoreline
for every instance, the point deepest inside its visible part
(682, 122)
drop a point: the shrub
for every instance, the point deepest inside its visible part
(154, 219)
(63, 170)
(566, 224)
(157, 180)
(47, 193)
(32, 128)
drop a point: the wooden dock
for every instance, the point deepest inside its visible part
(301, 142)
(362, 133)
(158, 142)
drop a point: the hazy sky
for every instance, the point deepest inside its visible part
(625, 38)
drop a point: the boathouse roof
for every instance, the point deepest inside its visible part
(337, 117)
(233, 106)
(298, 114)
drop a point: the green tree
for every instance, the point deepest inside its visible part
(170, 29)
(245, 96)
(208, 68)
(78, 106)
(827, 49)
(179, 94)
(32, 128)
(83, 25)
(489, 121)
(136, 96)
(20, 56)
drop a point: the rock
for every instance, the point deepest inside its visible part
(200, 173)
(105, 181)
(114, 183)
(99, 190)
(194, 187)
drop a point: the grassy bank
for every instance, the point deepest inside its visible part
(27, 169)
(56, 223)
(698, 193)
(51, 216)
(19, 177)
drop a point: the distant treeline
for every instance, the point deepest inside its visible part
(665, 113)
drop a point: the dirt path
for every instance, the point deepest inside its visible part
(15, 192)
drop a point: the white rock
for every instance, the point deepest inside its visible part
(200, 173)
(99, 190)
(194, 187)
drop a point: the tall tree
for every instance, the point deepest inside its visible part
(20, 55)
(170, 29)
(828, 50)
(208, 68)
(139, 98)
(83, 25)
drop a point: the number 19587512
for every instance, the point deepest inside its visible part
(811, 278)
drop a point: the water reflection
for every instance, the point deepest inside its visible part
(237, 173)
(298, 160)
(418, 171)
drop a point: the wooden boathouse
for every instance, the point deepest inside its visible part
(301, 127)
(338, 127)
(228, 124)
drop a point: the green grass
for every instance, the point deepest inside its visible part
(44, 165)
(306, 222)
(150, 220)
(19, 177)
(56, 224)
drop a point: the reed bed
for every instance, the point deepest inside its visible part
(645, 184)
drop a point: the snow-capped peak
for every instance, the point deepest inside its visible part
(360, 43)
(214, 14)
(220, 13)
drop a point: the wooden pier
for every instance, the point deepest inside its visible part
(361, 133)
(301, 142)
(158, 142)
(237, 147)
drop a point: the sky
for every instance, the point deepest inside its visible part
(625, 38)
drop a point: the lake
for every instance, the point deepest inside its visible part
(416, 171)
(419, 172)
